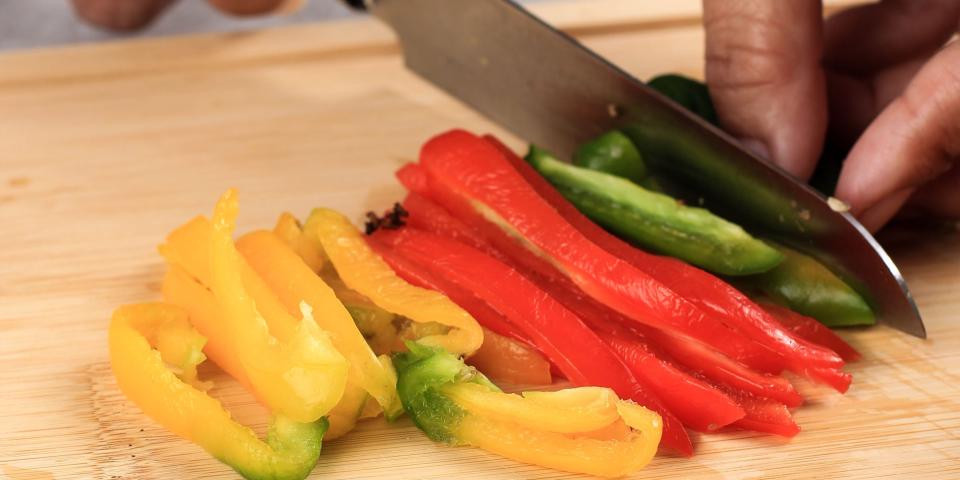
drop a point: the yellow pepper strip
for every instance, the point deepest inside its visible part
(189, 248)
(289, 230)
(583, 430)
(302, 378)
(182, 290)
(294, 282)
(345, 414)
(573, 410)
(141, 339)
(604, 458)
(378, 326)
(364, 271)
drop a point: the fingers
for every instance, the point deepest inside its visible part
(914, 140)
(870, 37)
(763, 70)
(855, 100)
(247, 7)
(941, 197)
(120, 15)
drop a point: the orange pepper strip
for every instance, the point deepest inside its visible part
(504, 359)
(302, 378)
(144, 337)
(362, 270)
(294, 282)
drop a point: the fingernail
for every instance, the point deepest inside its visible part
(757, 147)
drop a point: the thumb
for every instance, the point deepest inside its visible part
(763, 70)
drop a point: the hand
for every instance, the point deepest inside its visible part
(880, 77)
(129, 15)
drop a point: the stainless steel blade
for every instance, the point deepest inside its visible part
(547, 88)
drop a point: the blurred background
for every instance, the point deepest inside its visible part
(39, 23)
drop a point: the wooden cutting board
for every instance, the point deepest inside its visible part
(106, 148)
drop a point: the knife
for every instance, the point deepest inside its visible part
(547, 88)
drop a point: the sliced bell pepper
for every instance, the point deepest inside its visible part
(188, 247)
(302, 378)
(430, 217)
(657, 221)
(836, 379)
(343, 417)
(145, 337)
(375, 324)
(504, 243)
(721, 369)
(364, 271)
(579, 354)
(612, 153)
(419, 276)
(187, 284)
(707, 292)
(295, 282)
(810, 288)
(186, 250)
(762, 414)
(506, 360)
(698, 357)
(455, 404)
(697, 404)
(812, 330)
(688, 92)
(289, 230)
(182, 290)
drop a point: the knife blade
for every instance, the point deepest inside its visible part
(547, 88)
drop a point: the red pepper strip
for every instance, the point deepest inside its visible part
(449, 160)
(507, 250)
(533, 266)
(435, 219)
(430, 217)
(812, 330)
(763, 415)
(697, 404)
(717, 367)
(413, 178)
(836, 379)
(701, 288)
(477, 308)
(582, 356)
(421, 277)
(760, 414)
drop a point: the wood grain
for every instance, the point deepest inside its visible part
(104, 149)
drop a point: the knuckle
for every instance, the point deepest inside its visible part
(744, 52)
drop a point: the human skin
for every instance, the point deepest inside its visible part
(883, 78)
(130, 15)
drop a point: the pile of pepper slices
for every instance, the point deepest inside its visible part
(484, 260)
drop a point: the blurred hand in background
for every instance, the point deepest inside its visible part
(127, 15)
